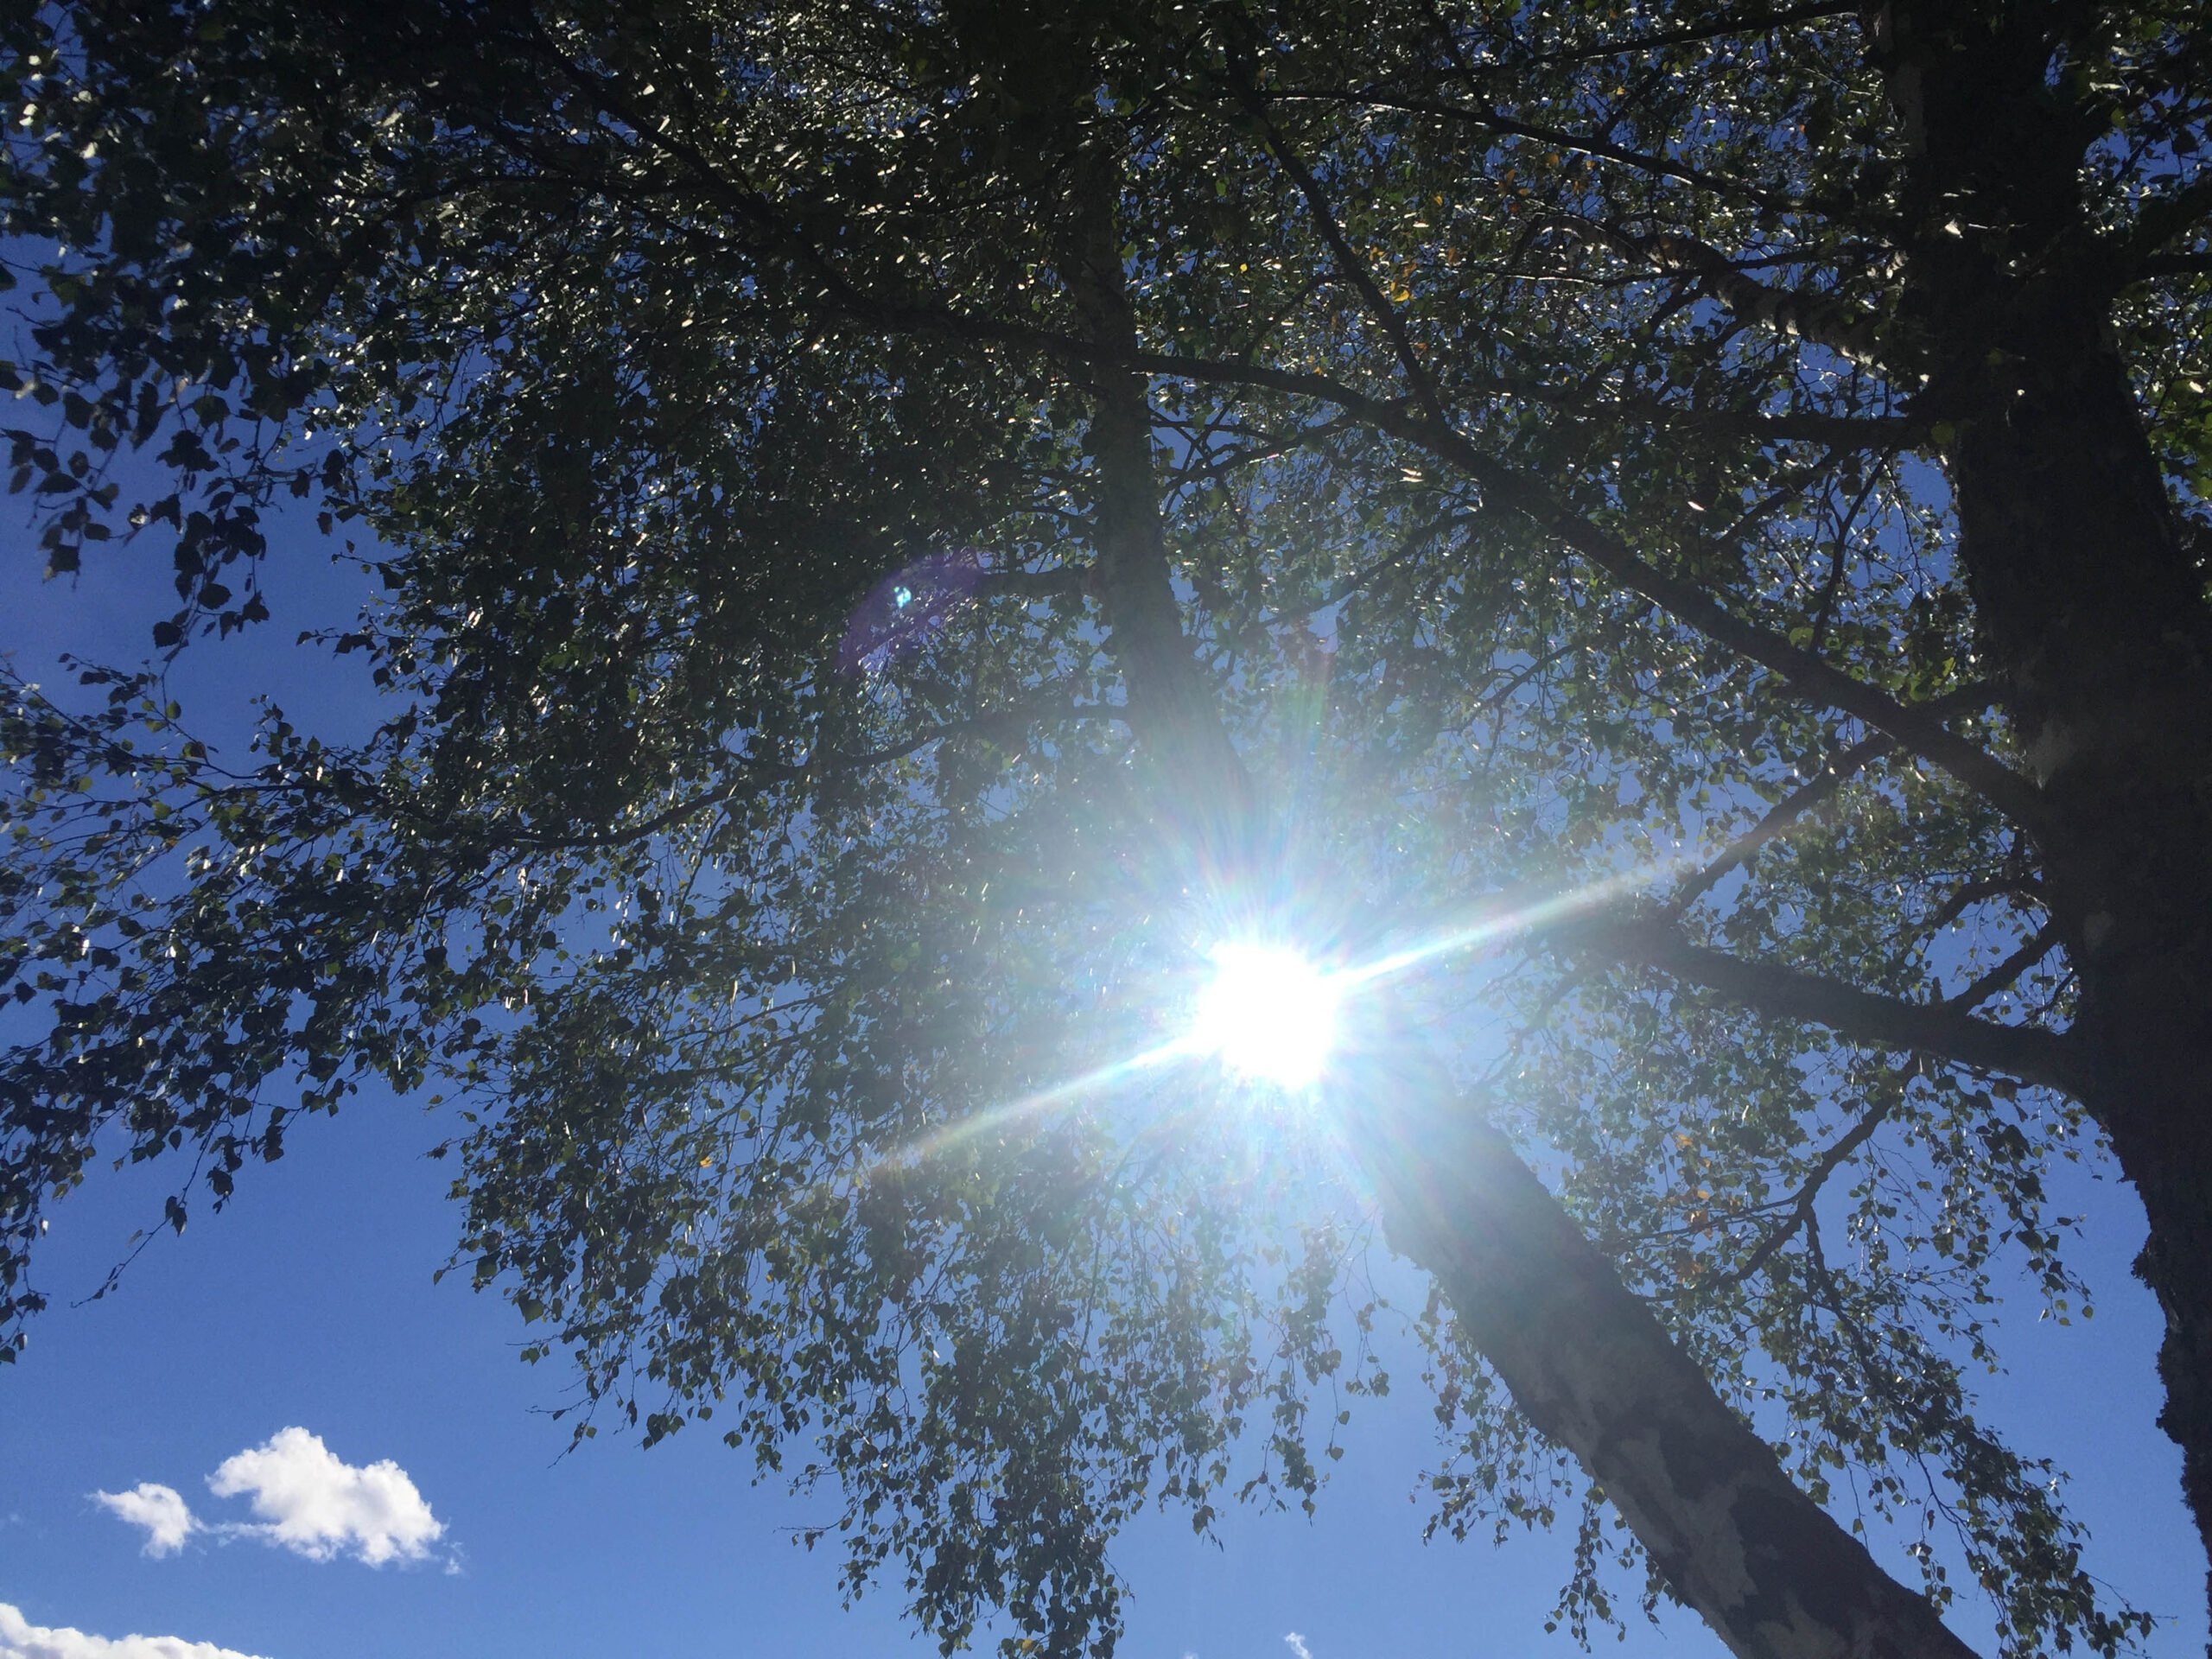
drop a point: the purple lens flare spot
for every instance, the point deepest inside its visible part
(906, 608)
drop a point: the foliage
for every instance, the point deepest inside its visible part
(754, 819)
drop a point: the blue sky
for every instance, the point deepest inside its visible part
(308, 1307)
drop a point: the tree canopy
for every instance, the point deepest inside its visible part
(1674, 531)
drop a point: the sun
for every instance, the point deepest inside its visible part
(1268, 1012)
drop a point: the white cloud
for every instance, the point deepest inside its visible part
(161, 1510)
(20, 1639)
(316, 1506)
(1296, 1644)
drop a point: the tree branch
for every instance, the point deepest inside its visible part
(2159, 222)
(1574, 143)
(2031, 952)
(1820, 318)
(752, 774)
(1805, 673)
(1743, 24)
(1808, 1190)
(1941, 1031)
(1779, 818)
(1349, 264)
(1835, 432)
(1060, 580)
(1972, 893)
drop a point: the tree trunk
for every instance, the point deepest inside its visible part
(1592, 1368)
(2089, 605)
(1199, 788)
(2127, 843)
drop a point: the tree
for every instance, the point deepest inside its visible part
(902, 520)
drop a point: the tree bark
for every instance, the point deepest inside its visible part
(2089, 605)
(1593, 1370)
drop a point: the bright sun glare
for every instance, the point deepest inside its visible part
(1268, 1012)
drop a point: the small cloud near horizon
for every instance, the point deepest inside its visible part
(20, 1639)
(305, 1498)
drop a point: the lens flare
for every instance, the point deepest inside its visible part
(1269, 1013)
